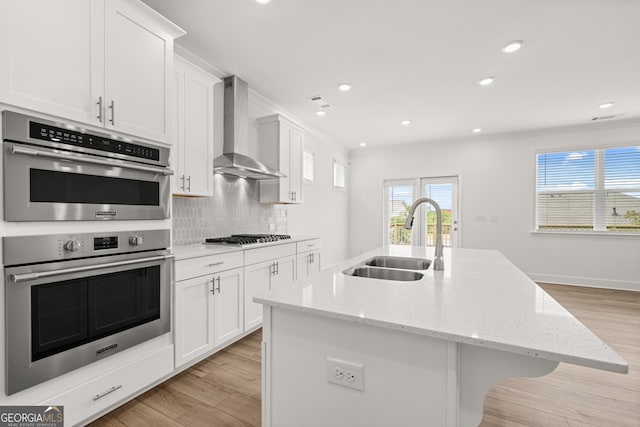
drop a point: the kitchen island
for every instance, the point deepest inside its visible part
(341, 350)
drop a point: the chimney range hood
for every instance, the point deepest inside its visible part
(234, 159)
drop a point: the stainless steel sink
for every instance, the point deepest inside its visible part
(384, 274)
(399, 262)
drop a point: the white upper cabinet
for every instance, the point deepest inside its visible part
(280, 147)
(194, 127)
(105, 63)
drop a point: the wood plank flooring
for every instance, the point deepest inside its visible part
(224, 390)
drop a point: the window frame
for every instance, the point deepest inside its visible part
(599, 191)
(313, 166)
(335, 163)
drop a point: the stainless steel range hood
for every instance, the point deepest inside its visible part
(234, 159)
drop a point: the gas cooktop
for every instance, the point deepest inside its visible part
(247, 239)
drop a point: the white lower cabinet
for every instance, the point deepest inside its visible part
(208, 309)
(308, 258)
(264, 268)
(228, 305)
(104, 391)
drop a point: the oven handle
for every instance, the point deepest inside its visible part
(17, 278)
(85, 159)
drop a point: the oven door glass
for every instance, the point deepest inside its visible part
(65, 187)
(71, 313)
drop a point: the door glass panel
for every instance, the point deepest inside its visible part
(399, 201)
(443, 195)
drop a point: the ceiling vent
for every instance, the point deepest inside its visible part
(320, 102)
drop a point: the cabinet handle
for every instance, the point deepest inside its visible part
(213, 264)
(111, 390)
(189, 181)
(313, 258)
(272, 267)
(213, 285)
(112, 107)
(99, 109)
(182, 186)
(277, 268)
(218, 288)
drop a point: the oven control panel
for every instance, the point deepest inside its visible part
(67, 136)
(101, 243)
(19, 250)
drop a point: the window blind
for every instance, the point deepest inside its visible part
(308, 166)
(588, 190)
(338, 175)
(399, 199)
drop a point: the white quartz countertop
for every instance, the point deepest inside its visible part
(481, 298)
(202, 249)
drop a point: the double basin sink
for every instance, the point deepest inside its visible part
(390, 268)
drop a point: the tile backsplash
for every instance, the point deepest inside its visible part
(234, 208)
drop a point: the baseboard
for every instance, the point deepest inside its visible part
(586, 281)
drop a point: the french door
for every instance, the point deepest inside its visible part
(400, 194)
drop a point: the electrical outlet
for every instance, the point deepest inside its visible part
(346, 374)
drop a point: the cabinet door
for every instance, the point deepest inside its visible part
(314, 263)
(257, 279)
(284, 192)
(197, 132)
(285, 271)
(228, 305)
(138, 67)
(52, 56)
(193, 323)
(177, 149)
(295, 165)
(302, 265)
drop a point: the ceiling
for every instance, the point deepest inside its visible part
(421, 59)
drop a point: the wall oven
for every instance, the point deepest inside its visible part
(54, 171)
(73, 299)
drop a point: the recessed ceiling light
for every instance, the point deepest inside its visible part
(405, 122)
(477, 130)
(486, 81)
(512, 46)
(263, 1)
(344, 87)
(320, 113)
(606, 105)
(363, 144)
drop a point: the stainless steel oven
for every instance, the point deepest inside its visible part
(72, 299)
(54, 171)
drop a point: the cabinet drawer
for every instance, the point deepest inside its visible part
(195, 267)
(108, 389)
(309, 245)
(254, 256)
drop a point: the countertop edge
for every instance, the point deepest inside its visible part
(525, 351)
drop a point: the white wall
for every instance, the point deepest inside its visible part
(498, 178)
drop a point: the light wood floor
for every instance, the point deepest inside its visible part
(224, 390)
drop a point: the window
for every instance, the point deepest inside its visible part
(338, 175)
(308, 166)
(589, 190)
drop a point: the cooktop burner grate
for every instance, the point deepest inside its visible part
(247, 239)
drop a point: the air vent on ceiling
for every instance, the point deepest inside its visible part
(612, 116)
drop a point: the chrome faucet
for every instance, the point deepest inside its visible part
(438, 263)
